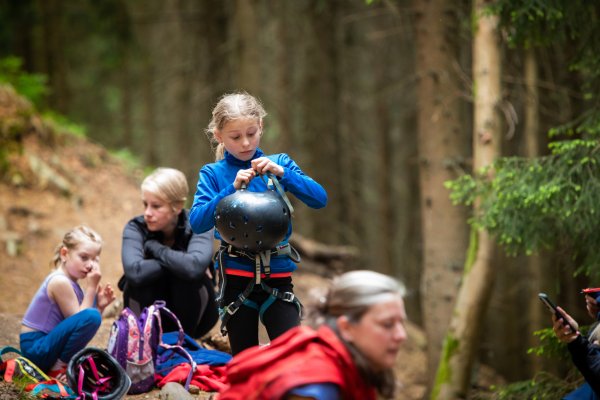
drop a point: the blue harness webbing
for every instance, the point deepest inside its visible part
(260, 259)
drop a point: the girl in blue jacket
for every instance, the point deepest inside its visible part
(236, 129)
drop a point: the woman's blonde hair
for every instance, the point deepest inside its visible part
(169, 184)
(73, 238)
(230, 107)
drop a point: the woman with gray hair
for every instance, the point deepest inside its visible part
(164, 260)
(349, 353)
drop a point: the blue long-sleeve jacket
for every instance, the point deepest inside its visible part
(215, 181)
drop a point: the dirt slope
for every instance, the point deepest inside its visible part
(59, 181)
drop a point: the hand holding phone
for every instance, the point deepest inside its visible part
(552, 307)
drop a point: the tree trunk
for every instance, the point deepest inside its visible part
(140, 16)
(441, 147)
(247, 55)
(53, 49)
(462, 340)
(537, 316)
(127, 103)
(319, 86)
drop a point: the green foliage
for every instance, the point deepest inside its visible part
(538, 203)
(132, 161)
(574, 26)
(589, 122)
(31, 86)
(550, 346)
(63, 125)
(542, 387)
(535, 23)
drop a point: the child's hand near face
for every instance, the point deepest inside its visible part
(94, 275)
(105, 296)
(262, 165)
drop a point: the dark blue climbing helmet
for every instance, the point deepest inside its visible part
(253, 221)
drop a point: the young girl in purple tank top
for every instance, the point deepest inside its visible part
(62, 318)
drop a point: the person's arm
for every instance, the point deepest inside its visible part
(138, 269)
(585, 355)
(206, 199)
(190, 264)
(314, 391)
(306, 189)
(60, 289)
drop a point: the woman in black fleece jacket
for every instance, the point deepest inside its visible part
(585, 351)
(164, 260)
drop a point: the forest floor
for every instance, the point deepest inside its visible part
(59, 181)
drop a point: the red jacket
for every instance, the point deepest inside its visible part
(299, 357)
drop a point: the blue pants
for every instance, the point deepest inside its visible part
(583, 392)
(62, 342)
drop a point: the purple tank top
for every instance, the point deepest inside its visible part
(43, 314)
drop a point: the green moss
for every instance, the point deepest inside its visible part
(444, 372)
(472, 250)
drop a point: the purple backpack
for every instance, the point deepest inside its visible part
(134, 343)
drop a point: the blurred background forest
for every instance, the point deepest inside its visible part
(382, 102)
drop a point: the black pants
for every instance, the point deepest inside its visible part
(279, 317)
(193, 302)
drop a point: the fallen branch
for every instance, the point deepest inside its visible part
(334, 258)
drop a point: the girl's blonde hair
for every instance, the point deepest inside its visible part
(73, 238)
(169, 184)
(232, 106)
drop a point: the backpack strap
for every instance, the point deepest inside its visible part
(161, 310)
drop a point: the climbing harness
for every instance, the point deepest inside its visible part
(251, 225)
(226, 311)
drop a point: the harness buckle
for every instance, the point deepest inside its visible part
(231, 308)
(281, 250)
(288, 296)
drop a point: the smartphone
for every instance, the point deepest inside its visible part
(552, 307)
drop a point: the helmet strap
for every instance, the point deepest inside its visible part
(273, 181)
